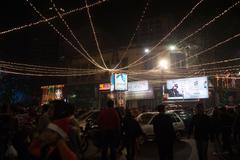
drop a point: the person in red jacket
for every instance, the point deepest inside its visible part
(109, 124)
(52, 143)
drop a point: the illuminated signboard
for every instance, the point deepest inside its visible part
(138, 86)
(104, 86)
(52, 92)
(188, 88)
(119, 82)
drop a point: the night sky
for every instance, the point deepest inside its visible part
(116, 19)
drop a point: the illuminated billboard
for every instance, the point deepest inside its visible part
(187, 88)
(138, 86)
(119, 82)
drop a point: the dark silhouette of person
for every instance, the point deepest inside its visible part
(236, 127)
(109, 124)
(227, 124)
(216, 129)
(131, 131)
(202, 126)
(164, 133)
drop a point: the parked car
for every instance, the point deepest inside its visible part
(184, 115)
(145, 121)
(89, 118)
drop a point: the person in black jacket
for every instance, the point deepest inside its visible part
(216, 130)
(201, 124)
(164, 134)
(131, 131)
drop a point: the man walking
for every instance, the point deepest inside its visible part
(201, 125)
(109, 124)
(164, 134)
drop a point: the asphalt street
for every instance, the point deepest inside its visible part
(148, 151)
(184, 149)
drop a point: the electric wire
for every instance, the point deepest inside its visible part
(61, 35)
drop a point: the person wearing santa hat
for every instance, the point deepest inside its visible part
(52, 142)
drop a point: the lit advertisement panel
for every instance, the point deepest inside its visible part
(104, 86)
(121, 82)
(138, 86)
(188, 88)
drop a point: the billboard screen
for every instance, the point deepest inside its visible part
(119, 82)
(188, 88)
(138, 86)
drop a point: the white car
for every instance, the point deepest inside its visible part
(145, 121)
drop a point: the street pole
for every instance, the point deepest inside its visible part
(186, 59)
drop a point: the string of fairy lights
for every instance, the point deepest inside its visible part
(210, 22)
(42, 67)
(95, 35)
(72, 33)
(216, 62)
(209, 49)
(38, 70)
(61, 35)
(43, 75)
(184, 39)
(183, 72)
(48, 71)
(134, 34)
(51, 18)
(166, 36)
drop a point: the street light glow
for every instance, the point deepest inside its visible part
(146, 50)
(172, 47)
(163, 64)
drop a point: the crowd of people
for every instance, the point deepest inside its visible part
(30, 135)
(221, 128)
(52, 133)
